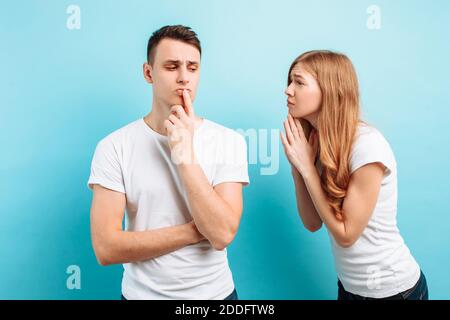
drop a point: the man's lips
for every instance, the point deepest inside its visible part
(180, 91)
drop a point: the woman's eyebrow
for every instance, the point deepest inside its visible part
(299, 75)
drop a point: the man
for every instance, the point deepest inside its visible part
(178, 176)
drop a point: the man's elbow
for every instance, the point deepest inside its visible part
(102, 256)
(219, 245)
(103, 252)
(103, 261)
(223, 241)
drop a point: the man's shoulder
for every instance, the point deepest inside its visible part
(121, 133)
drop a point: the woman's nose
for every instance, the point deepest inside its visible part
(288, 91)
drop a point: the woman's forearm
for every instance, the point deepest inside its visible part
(336, 227)
(307, 212)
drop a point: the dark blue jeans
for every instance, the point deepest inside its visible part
(418, 292)
(232, 296)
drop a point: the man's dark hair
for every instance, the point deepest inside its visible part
(178, 32)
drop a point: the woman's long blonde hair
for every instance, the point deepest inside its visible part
(338, 119)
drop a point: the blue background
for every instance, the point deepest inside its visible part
(62, 90)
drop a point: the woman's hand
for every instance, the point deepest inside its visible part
(301, 152)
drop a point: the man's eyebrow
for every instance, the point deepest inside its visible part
(178, 62)
(172, 61)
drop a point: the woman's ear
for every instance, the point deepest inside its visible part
(147, 69)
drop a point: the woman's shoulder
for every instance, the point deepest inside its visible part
(365, 128)
(370, 145)
(368, 135)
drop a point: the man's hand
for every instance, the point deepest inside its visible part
(180, 127)
(198, 236)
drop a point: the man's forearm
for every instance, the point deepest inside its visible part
(133, 246)
(212, 215)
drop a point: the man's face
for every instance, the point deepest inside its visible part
(176, 66)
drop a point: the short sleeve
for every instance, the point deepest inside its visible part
(231, 161)
(105, 167)
(372, 147)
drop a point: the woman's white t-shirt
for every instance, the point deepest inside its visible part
(378, 264)
(136, 161)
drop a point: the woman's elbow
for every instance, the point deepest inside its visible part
(346, 242)
(313, 227)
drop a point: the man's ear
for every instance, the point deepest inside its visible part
(147, 69)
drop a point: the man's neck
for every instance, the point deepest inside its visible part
(159, 113)
(155, 119)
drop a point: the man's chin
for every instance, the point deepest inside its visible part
(175, 100)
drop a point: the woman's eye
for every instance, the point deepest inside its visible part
(300, 83)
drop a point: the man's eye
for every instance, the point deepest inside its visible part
(171, 68)
(193, 69)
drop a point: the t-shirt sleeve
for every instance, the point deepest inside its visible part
(232, 165)
(372, 147)
(105, 167)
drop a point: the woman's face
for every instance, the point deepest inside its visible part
(304, 96)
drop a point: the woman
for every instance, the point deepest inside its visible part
(345, 177)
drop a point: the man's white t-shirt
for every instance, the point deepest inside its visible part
(378, 264)
(136, 161)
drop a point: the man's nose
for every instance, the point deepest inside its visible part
(183, 76)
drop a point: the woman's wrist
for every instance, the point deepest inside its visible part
(308, 171)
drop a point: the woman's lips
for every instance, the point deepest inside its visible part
(290, 104)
